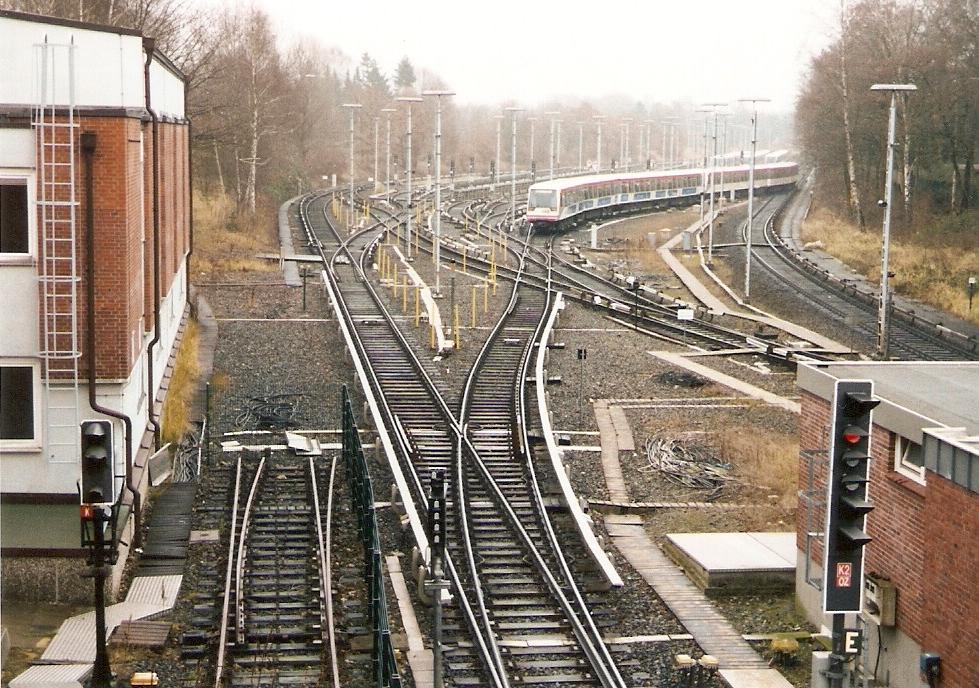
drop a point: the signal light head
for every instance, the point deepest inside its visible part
(853, 434)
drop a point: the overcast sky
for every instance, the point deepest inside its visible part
(530, 50)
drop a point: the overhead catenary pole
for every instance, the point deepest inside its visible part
(409, 100)
(377, 128)
(438, 183)
(626, 155)
(598, 146)
(533, 163)
(713, 166)
(884, 304)
(513, 166)
(496, 172)
(352, 108)
(751, 191)
(553, 114)
(387, 167)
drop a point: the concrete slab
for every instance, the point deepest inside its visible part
(53, 676)
(738, 551)
(728, 381)
(754, 678)
(420, 660)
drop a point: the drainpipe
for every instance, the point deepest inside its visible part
(88, 153)
(148, 45)
(190, 183)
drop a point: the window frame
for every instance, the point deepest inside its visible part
(26, 180)
(34, 443)
(906, 468)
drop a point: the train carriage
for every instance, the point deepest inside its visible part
(559, 204)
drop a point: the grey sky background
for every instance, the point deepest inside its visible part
(531, 50)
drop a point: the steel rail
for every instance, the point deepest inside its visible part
(325, 564)
(240, 567)
(585, 633)
(223, 633)
(405, 451)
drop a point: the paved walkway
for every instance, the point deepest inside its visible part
(714, 304)
(610, 453)
(73, 648)
(734, 383)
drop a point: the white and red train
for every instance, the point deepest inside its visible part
(558, 204)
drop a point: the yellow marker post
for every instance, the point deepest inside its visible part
(455, 326)
(485, 297)
(431, 337)
(473, 309)
(404, 295)
(418, 310)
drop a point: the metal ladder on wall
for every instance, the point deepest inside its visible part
(53, 119)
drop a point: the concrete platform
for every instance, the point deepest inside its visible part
(722, 563)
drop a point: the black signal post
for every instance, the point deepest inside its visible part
(847, 506)
(96, 514)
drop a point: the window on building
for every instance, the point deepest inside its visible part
(14, 237)
(909, 459)
(16, 402)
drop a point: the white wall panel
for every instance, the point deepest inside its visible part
(166, 91)
(108, 66)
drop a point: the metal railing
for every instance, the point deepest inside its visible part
(384, 668)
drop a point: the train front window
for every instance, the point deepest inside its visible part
(543, 199)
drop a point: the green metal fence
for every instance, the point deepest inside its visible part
(384, 669)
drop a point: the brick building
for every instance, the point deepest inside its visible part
(924, 482)
(86, 112)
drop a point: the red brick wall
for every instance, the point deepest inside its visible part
(949, 611)
(925, 541)
(118, 245)
(123, 222)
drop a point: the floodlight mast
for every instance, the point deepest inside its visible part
(882, 324)
(409, 100)
(438, 183)
(352, 108)
(513, 165)
(751, 190)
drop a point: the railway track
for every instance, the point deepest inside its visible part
(496, 615)
(275, 621)
(909, 340)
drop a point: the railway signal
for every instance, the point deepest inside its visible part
(847, 507)
(97, 464)
(847, 504)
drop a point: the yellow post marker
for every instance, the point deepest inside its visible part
(404, 295)
(418, 310)
(473, 309)
(485, 297)
(431, 336)
(455, 326)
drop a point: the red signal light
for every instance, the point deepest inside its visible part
(853, 434)
(87, 512)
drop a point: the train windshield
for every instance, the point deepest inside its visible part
(543, 198)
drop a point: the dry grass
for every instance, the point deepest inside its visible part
(932, 262)
(768, 463)
(226, 240)
(183, 385)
